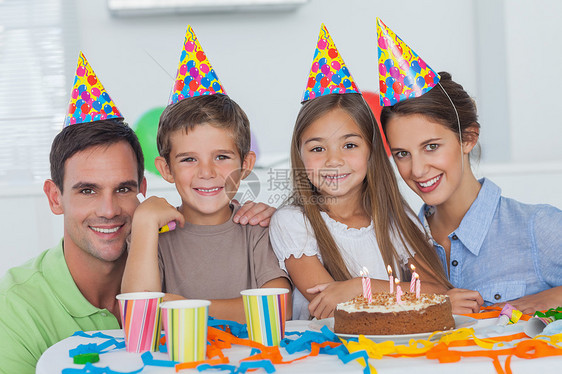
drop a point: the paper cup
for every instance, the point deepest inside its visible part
(265, 314)
(140, 317)
(536, 325)
(185, 324)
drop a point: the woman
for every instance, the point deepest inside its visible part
(506, 250)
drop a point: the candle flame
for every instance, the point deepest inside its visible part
(365, 271)
(396, 280)
(412, 267)
(417, 276)
(389, 269)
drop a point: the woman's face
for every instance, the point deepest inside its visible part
(428, 156)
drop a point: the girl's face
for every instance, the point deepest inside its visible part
(428, 156)
(335, 154)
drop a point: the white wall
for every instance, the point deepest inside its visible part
(263, 59)
(505, 53)
(533, 32)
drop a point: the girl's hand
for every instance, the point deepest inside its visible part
(465, 301)
(328, 295)
(156, 212)
(253, 213)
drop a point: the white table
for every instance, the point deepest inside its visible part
(56, 358)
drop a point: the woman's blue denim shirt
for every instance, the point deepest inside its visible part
(503, 248)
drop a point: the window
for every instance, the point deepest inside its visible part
(32, 87)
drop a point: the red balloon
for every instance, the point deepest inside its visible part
(193, 85)
(311, 82)
(201, 56)
(72, 108)
(85, 108)
(333, 53)
(179, 85)
(382, 86)
(92, 79)
(428, 79)
(324, 82)
(372, 98)
(397, 87)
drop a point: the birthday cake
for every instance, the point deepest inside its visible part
(384, 316)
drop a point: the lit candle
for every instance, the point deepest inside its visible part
(418, 286)
(399, 292)
(390, 279)
(366, 281)
(413, 281)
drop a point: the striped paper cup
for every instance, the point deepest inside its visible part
(265, 314)
(185, 324)
(140, 318)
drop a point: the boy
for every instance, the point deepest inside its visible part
(204, 146)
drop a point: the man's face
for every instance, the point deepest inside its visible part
(100, 187)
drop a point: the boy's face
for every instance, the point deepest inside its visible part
(206, 167)
(100, 187)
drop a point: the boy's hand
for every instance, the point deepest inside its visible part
(331, 294)
(253, 213)
(156, 212)
(465, 301)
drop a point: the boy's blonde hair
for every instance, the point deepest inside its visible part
(216, 110)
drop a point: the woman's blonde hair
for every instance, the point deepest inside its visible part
(380, 194)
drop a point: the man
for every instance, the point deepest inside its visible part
(97, 171)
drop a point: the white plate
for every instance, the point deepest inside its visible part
(460, 322)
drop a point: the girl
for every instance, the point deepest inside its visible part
(346, 211)
(504, 249)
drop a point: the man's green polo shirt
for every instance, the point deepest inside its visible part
(40, 305)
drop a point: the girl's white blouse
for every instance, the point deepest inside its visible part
(292, 235)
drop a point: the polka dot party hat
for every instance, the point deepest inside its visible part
(195, 74)
(328, 73)
(402, 72)
(89, 101)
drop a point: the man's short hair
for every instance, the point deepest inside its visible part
(76, 138)
(216, 110)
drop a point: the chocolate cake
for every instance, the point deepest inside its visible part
(384, 316)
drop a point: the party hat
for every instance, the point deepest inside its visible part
(402, 73)
(89, 101)
(195, 74)
(328, 73)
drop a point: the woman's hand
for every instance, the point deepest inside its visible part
(328, 295)
(465, 301)
(544, 300)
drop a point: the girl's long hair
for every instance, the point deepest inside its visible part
(380, 194)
